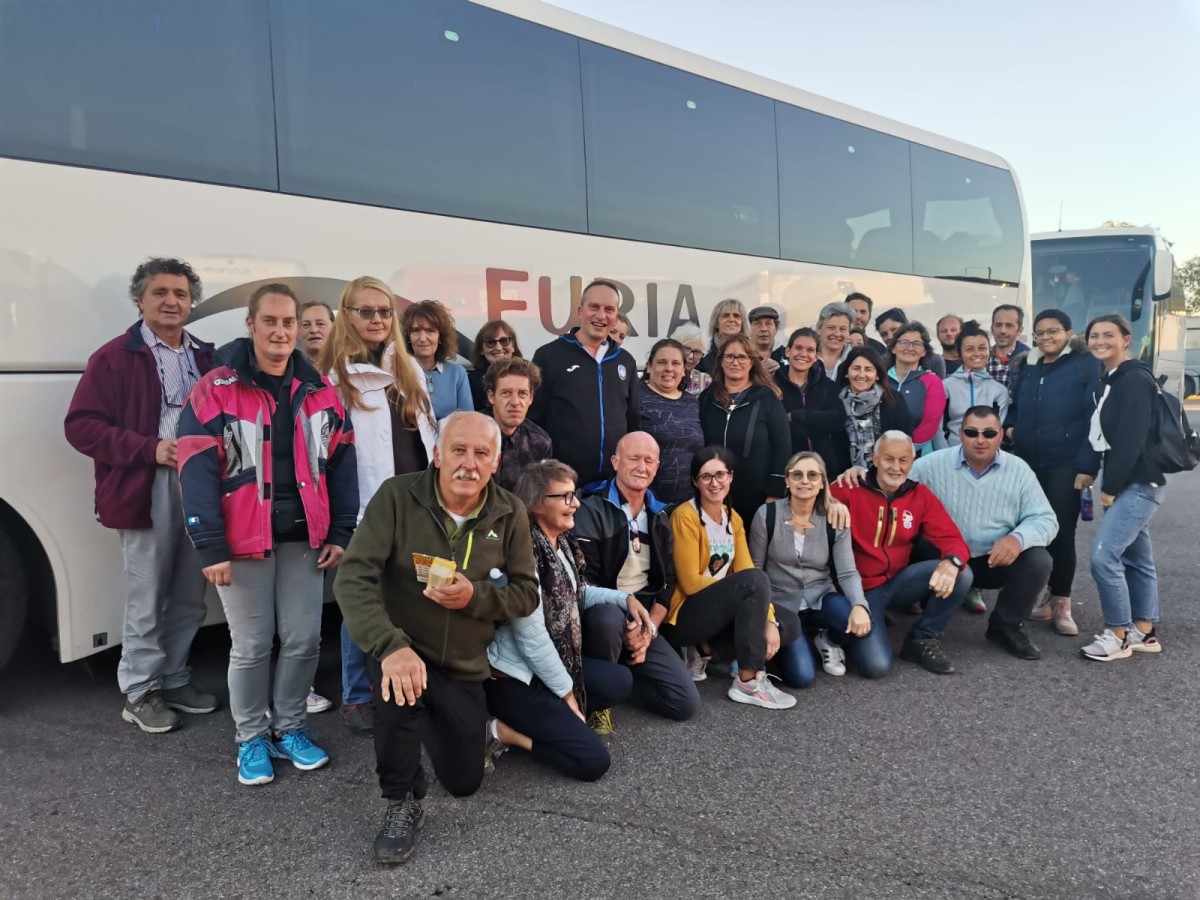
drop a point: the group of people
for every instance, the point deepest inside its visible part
(520, 548)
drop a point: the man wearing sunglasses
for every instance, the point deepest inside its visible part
(1005, 518)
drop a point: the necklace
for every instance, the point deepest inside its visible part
(793, 521)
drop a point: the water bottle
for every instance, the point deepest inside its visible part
(1087, 509)
(498, 578)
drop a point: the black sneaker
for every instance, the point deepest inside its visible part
(1014, 640)
(359, 717)
(397, 839)
(926, 653)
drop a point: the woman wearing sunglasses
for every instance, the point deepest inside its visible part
(543, 687)
(495, 341)
(718, 587)
(872, 407)
(812, 572)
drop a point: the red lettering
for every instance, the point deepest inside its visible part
(496, 304)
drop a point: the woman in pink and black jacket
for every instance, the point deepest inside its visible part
(270, 497)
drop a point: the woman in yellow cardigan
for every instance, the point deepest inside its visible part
(717, 585)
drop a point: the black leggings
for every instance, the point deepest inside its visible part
(1059, 485)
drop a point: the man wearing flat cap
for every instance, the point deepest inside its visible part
(764, 323)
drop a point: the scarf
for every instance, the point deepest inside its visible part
(862, 423)
(561, 602)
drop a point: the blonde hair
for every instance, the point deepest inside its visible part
(822, 504)
(714, 321)
(344, 346)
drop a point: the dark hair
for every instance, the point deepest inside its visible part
(512, 366)
(600, 282)
(970, 328)
(439, 317)
(312, 304)
(1009, 306)
(803, 332)
(895, 314)
(273, 288)
(1057, 314)
(859, 295)
(1117, 319)
(980, 411)
(536, 477)
(868, 353)
(668, 343)
(700, 459)
(923, 332)
(488, 330)
(758, 373)
(163, 265)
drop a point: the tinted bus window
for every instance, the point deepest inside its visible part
(677, 159)
(440, 107)
(173, 88)
(843, 193)
(968, 218)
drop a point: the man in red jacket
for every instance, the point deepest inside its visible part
(123, 415)
(889, 513)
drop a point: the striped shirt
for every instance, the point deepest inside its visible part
(177, 375)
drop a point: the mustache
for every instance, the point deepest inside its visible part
(465, 475)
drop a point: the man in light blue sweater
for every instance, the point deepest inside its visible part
(1003, 514)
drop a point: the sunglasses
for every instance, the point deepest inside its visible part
(798, 475)
(989, 433)
(368, 313)
(497, 342)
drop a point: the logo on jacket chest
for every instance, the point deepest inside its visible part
(906, 520)
(622, 371)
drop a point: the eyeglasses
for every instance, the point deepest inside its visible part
(740, 358)
(989, 433)
(1047, 332)
(568, 498)
(910, 345)
(504, 342)
(693, 353)
(370, 312)
(710, 477)
(798, 475)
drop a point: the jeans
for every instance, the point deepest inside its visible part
(1123, 560)
(164, 601)
(1020, 583)
(661, 681)
(1059, 486)
(794, 660)
(356, 683)
(279, 594)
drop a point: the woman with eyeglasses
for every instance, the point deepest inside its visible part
(543, 687)
(672, 417)
(694, 380)
(741, 410)
(718, 587)
(812, 571)
(495, 341)
(922, 390)
(429, 331)
(871, 406)
(728, 320)
(1048, 423)
(814, 410)
(384, 389)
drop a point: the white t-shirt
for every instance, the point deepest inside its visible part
(635, 574)
(720, 545)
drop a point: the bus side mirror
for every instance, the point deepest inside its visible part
(1164, 274)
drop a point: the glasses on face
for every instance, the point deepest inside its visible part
(738, 358)
(567, 497)
(910, 345)
(710, 477)
(989, 433)
(693, 354)
(1047, 333)
(367, 313)
(801, 475)
(492, 343)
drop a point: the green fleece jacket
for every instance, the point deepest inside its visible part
(383, 603)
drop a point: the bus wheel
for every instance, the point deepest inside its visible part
(14, 598)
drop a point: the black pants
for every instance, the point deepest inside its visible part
(1059, 485)
(739, 600)
(450, 718)
(1020, 585)
(660, 682)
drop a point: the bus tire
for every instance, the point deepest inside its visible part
(14, 598)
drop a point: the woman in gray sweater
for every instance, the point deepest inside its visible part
(811, 570)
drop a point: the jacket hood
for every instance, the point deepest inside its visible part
(236, 355)
(1075, 345)
(872, 482)
(1130, 365)
(961, 375)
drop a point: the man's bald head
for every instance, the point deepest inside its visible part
(635, 462)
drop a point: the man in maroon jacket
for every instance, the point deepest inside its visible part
(889, 513)
(123, 416)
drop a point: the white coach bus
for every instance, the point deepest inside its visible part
(494, 156)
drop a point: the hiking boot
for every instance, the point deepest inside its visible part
(926, 653)
(1142, 643)
(254, 761)
(973, 602)
(1061, 612)
(1014, 640)
(833, 657)
(397, 839)
(188, 699)
(304, 754)
(151, 714)
(759, 691)
(359, 717)
(1043, 610)
(601, 723)
(315, 703)
(1106, 646)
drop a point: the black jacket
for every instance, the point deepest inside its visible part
(602, 529)
(585, 406)
(756, 432)
(816, 416)
(1125, 421)
(1051, 410)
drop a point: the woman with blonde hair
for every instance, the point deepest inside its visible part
(728, 320)
(384, 390)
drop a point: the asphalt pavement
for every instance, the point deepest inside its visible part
(1060, 778)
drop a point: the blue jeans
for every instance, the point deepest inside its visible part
(356, 683)
(1123, 560)
(795, 660)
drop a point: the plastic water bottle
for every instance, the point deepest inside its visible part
(498, 578)
(1087, 509)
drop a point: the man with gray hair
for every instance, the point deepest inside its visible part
(889, 513)
(439, 557)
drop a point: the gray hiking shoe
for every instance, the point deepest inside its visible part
(151, 714)
(188, 699)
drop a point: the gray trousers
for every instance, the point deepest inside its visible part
(164, 603)
(279, 594)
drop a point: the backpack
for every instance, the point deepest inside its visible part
(1173, 445)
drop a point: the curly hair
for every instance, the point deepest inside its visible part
(430, 312)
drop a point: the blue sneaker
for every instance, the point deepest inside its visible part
(303, 753)
(254, 762)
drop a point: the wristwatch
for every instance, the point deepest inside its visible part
(955, 561)
(653, 631)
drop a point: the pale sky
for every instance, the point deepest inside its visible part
(1092, 102)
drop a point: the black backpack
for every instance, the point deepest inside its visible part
(1173, 445)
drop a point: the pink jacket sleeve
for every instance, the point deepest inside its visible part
(935, 408)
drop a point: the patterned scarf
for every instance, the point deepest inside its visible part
(862, 423)
(561, 602)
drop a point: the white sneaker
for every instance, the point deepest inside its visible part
(1106, 647)
(697, 664)
(316, 703)
(833, 657)
(1142, 643)
(759, 691)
